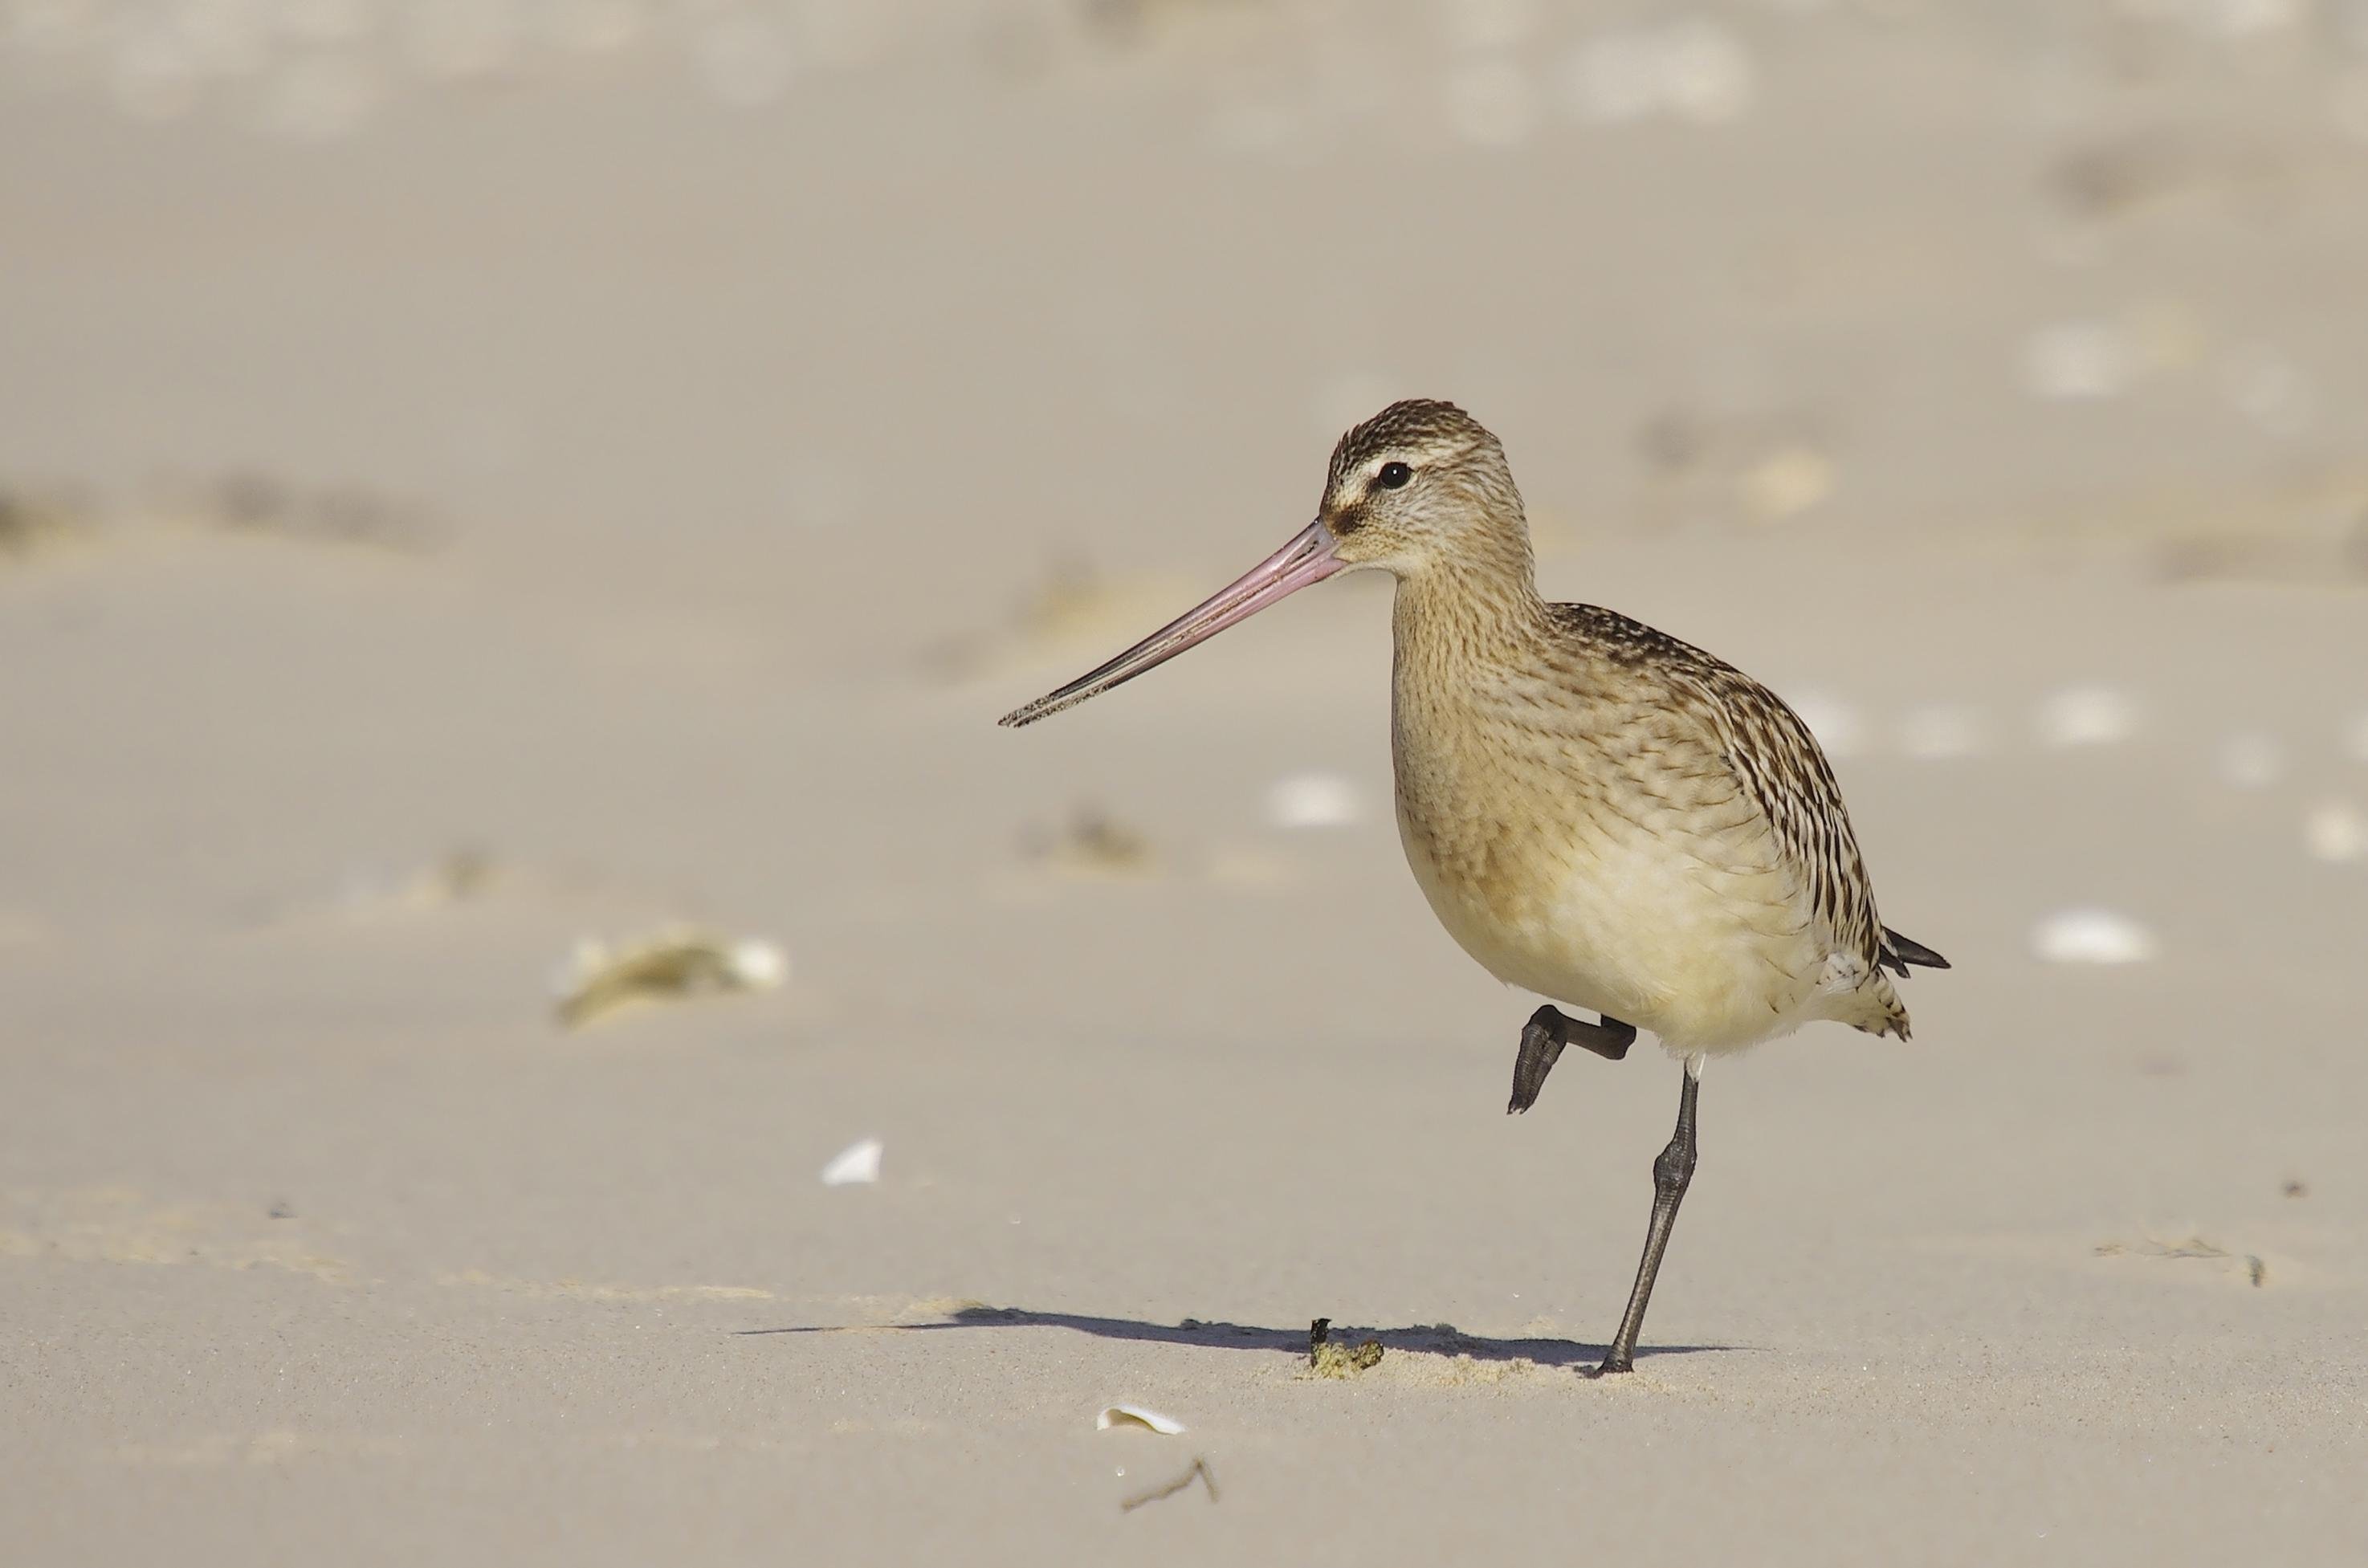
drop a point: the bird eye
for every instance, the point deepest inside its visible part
(1393, 476)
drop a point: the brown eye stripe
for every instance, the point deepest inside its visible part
(1348, 519)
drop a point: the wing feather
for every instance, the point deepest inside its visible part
(1777, 762)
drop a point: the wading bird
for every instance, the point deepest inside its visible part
(1598, 813)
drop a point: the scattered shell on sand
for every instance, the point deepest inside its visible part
(2335, 831)
(1786, 483)
(1313, 800)
(1137, 1415)
(858, 1165)
(2092, 936)
(2087, 716)
(597, 979)
(2250, 761)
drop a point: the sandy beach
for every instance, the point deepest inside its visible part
(470, 486)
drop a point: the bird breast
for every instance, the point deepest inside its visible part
(1582, 840)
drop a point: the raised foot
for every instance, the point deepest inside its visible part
(1543, 1037)
(1541, 1043)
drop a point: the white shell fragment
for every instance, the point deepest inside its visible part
(2092, 936)
(2087, 716)
(858, 1165)
(1137, 1416)
(2336, 832)
(757, 965)
(1786, 483)
(1313, 800)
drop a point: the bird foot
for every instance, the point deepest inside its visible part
(1542, 1039)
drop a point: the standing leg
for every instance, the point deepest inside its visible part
(1543, 1037)
(1671, 1173)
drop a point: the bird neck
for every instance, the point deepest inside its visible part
(1482, 607)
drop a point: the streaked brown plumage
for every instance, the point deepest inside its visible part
(1595, 811)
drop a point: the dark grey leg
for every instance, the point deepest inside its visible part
(1671, 1173)
(1543, 1037)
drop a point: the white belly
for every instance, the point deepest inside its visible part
(1709, 955)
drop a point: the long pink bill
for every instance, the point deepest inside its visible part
(1308, 558)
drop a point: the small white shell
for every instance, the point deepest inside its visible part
(1313, 800)
(2091, 936)
(1137, 1416)
(2087, 716)
(857, 1164)
(2336, 832)
(756, 964)
(1787, 481)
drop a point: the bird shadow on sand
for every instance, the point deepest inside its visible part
(1420, 1339)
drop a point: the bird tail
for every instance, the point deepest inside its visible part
(1900, 952)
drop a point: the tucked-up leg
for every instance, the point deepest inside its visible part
(1543, 1037)
(1671, 1174)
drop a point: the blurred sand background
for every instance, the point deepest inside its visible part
(479, 476)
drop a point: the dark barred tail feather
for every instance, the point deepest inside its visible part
(1900, 952)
